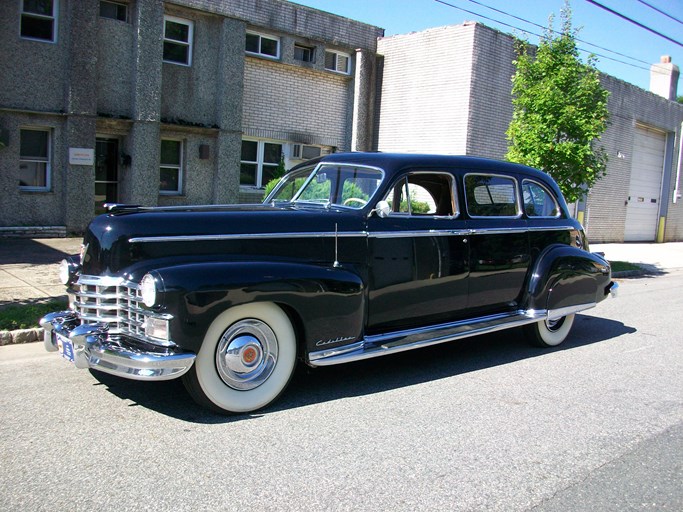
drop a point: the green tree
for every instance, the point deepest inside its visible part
(559, 111)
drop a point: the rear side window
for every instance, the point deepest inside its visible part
(538, 201)
(491, 196)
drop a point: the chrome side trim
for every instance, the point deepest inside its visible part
(556, 314)
(248, 236)
(342, 234)
(393, 343)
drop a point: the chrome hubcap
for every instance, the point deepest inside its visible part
(554, 325)
(246, 354)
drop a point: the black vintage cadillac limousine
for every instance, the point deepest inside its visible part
(352, 256)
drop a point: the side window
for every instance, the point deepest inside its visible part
(338, 62)
(491, 196)
(171, 167)
(538, 201)
(178, 40)
(38, 20)
(424, 194)
(34, 160)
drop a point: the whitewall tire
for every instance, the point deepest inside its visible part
(246, 360)
(549, 333)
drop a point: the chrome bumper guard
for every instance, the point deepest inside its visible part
(94, 348)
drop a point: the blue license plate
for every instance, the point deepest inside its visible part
(66, 348)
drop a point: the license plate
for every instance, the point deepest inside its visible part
(66, 348)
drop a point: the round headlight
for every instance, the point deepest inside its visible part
(64, 272)
(148, 290)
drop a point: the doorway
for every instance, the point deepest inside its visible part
(106, 172)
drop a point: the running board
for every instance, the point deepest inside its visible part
(395, 342)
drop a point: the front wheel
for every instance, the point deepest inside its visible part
(246, 360)
(549, 333)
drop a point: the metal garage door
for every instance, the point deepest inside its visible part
(646, 185)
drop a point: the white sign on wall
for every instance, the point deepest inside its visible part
(81, 156)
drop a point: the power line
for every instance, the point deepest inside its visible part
(558, 32)
(612, 11)
(538, 35)
(660, 11)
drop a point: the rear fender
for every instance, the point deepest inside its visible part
(566, 277)
(326, 303)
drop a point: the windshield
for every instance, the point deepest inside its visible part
(329, 184)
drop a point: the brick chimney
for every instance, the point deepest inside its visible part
(664, 78)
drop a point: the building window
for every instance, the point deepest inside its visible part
(303, 53)
(337, 61)
(38, 20)
(113, 10)
(260, 44)
(259, 162)
(178, 40)
(34, 160)
(171, 167)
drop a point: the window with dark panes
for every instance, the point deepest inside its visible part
(34, 159)
(113, 10)
(38, 19)
(260, 44)
(259, 162)
(303, 53)
(538, 201)
(337, 61)
(177, 40)
(171, 167)
(491, 196)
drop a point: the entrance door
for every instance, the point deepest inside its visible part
(645, 186)
(106, 172)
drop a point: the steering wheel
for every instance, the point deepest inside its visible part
(362, 202)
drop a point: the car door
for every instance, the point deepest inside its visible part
(418, 255)
(499, 244)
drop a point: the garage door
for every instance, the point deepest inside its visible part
(646, 185)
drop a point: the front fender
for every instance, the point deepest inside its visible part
(325, 303)
(564, 276)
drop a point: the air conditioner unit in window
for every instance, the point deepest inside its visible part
(304, 152)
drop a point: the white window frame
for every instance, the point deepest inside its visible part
(336, 62)
(47, 161)
(117, 4)
(188, 43)
(262, 36)
(54, 18)
(180, 166)
(259, 159)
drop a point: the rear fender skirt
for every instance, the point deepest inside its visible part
(564, 277)
(329, 302)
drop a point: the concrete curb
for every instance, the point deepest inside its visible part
(21, 336)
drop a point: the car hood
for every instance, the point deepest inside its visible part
(115, 241)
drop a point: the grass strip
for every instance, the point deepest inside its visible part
(26, 316)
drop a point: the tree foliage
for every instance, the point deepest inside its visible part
(559, 112)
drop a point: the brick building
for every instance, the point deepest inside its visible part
(458, 101)
(170, 102)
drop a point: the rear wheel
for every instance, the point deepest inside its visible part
(246, 359)
(549, 333)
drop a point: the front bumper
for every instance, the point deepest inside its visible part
(94, 347)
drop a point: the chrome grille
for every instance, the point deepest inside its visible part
(114, 301)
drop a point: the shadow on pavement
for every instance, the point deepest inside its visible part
(28, 251)
(312, 386)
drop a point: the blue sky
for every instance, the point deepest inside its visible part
(596, 25)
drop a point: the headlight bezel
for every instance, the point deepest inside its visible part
(149, 290)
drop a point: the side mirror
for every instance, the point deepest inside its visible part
(382, 209)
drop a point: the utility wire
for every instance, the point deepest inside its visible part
(538, 35)
(598, 4)
(557, 32)
(660, 11)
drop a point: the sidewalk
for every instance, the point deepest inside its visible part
(29, 268)
(656, 258)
